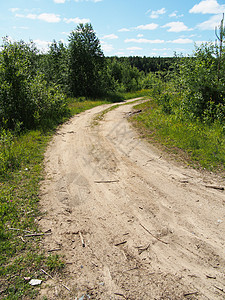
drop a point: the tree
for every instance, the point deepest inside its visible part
(54, 65)
(26, 100)
(86, 61)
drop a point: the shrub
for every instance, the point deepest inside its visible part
(25, 98)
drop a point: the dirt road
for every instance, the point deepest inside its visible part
(130, 223)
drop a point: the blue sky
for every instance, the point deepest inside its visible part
(124, 27)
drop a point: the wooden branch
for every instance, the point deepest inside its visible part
(106, 181)
(219, 289)
(36, 234)
(215, 187)
(121, 295)
(153, 235)
(122, 243)
(65, 287)
(189, 294)
(46, 273)
(52, 250)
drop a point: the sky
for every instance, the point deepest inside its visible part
(124, 27)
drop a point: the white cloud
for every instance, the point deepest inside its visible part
(207, 7)
(181, 41)
(124, 30)
(110, 37)
(50, 18)
(144, 41)
(31, 16)
(42, 45)
(176, 27)
(211, 23)
(156, 13)
(163, 49)
(140, 35)
(175, 15)
(13, 9)
(151, 26)
(21, 27)
(134, 48)
(106, 47)
(76, 20)
(59, 1)
(199, 43)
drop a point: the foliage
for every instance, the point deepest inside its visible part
(86, 61)
(25, 98)
(54, 65)
(203, 91)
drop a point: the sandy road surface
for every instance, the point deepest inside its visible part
(151, 229)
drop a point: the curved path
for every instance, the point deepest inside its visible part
(151, 229)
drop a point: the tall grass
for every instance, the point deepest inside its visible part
(201, 144)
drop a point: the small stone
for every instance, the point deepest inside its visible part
(35, 282)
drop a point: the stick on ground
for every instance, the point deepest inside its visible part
(153, 235)
(82, 240)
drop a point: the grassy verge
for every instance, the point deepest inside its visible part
(81, 105)
(200, 145)
(21, 256)
(21, 169)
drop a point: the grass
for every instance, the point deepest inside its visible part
(21, 170)
(200, 145)
(81, 105)
(22, 256)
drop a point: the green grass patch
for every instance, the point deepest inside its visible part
(200, 144)
(137, 94)
(21, 256)
(77, 106)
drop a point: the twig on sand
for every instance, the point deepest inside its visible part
(36, 234)
(122, 243)
(53, 278)
(46, 273)
(153, 235)
(142, 249)
(218, 288)
(106, 181)
(53, 250)
(189, 294)
(121, 295)
(215, 187)
(82, 240)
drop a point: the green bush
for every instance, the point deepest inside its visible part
(25, 97)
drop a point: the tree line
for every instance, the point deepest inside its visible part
(34, 86)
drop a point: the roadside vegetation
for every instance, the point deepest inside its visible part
(39, 91)
(186, 112)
